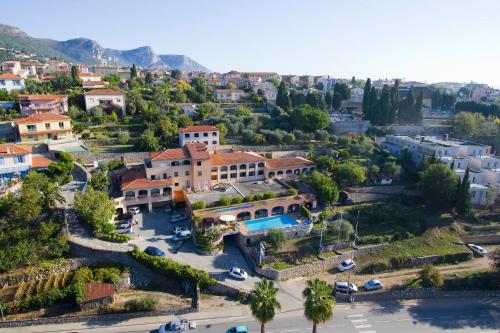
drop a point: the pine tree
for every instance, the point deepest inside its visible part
(366, 98)
(463, 205)
(133, 72)
(282, 98)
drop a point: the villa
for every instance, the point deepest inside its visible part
(40, 127)
(30, 104)
(209, 135)
(11, 82)
(16, 161)
(230, 95)
(106, 99)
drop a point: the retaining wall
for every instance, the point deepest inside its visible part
(482, 239)
(422, 293)
(448, 258)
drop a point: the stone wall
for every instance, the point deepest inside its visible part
(66, 266)
(436, 259)
(315, 267)
(482, 239)
(482, 227)
(422, 293)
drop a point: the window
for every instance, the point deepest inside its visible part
(233, 167)
(165, 176)
(61, 125)
(186, 173)
(214, 177)
(200, 173)
(175, 163)
(223, 168)
(233, 175)
(223, 176)
(186, 135)
(473, 194)
(214, 142)
(198, 163)
(47, 126)
(280, 172)
(186, 162)
(243, 174)
(176, 184)
(288, 171)
(31, 128)
(214, 133)
(176, 174)
(251, 166)
(261, 164)
(251, 173)
(153, 177)
(19, 159)
(243, 166)
(205, 134)
(196, 135)
(2, 82)
(30, 136)
(2, 160)
(214, 169)
(260, 172)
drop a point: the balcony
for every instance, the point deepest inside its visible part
(144, 199)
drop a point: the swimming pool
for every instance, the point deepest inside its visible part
(273, 222)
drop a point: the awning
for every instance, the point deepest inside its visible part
(227, 218)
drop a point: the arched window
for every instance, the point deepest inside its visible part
(280, 172)
(243, 166)
(130, 194)
(223, 168)
(175, 163)
(233, 167)
(251, 166)
(261, 164)
(288, 171)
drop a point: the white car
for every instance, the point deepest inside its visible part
(373, 284)
(478, 249)
(177, 326)
(344, 288)
(180, 228)
(134, 210)
(237, 273)
(182, 235)
(346, 265)
(178, 218)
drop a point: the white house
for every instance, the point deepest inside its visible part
(209, 135)
(89, 77)
(479, 194)
(187, 108)
(11, 82)
(230, 95)
(106, 99)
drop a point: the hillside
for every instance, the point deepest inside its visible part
(88, 51)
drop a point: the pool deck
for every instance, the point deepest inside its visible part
(241, 226)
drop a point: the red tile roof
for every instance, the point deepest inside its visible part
(97, 290)
(9, 76)
(288, 162)
(136, 180)
(89, 74)
(39, 117)
(40, 162)
(201, 128)
(12, 149)
(104, 92)
(195, 151)
(235, 158)
(44, 97)
(94, 83)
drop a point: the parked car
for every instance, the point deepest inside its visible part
(167, 209)
(180, 228)
(344, 288)
(238, 329)
(178, 218)
(154, 251)
(346, 265)
(125, 225)
(182, 235)
(126, 216)
(478, 249)
(177, 326)
(237, 273)
(373, 284)
(129, 230)
(134, 210)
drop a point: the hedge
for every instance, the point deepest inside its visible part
(114, 237)
(173, 270)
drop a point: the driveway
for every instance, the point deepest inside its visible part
(155, 229)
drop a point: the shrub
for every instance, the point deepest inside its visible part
(249, 198)
(430, 276)
(292, 192)
(237, 200)
(345, 228)
(307, 214)
(108, 274)
(141, 304)
(258, 197)
(276, 238)
(113, 236)
(173, 270)
(269, 195)
(198, 205)
(376, 268)
(123, 137)
(224, 201)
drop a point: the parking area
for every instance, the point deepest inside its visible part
(155, 229)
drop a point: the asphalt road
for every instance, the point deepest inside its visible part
(429, 316)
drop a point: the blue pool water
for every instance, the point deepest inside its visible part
(273, 222)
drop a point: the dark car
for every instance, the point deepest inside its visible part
(154, 251)
(126, 216)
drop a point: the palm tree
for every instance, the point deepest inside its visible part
(52, 196)
(263, 302)
(319, 303)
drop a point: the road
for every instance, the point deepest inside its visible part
(428, 316)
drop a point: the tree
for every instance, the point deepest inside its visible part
(438, 184)
(325, 163)
(264, 303)
(99, 181)
(417, 115)
(315, 100)
(96, 209)
(276, 238)
(242, 111)
(391, 169)
(74, 76)
(344, 227)
(147, 141)
(349, 173)
(430, 276)
(343, 90)
(307, 118)
(366, 98)
(52, 196)
(463, 205)
(319, 303)
(133, 72)
(148, 79)
(123, 137)
(282, 98)
(325, 188)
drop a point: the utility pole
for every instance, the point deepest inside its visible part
(351, 299)
(340, 228)
(321, 236)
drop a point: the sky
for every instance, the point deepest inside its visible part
(424, 40)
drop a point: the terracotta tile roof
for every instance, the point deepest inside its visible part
(135, 180)
(39, 161)
(44, 97)
(235, 158)
(104, 92)
(39, 117)
(97, 290)
(9, 76)
(169, 154)
(201, 128)
(288, 162)
(27, 63)
(89, 74)
(12, 149)
(197, 151)
(94, 83)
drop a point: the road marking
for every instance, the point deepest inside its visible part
(338, 325)
(354, 321)
(425, 318)
(382, 321)
(362, 326)
(406, 319)
(355, 315)
(292, 330)
(367, 332)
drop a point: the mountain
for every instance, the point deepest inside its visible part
(88, 51)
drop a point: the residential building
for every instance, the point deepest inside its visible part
(11, 82)
(484, 162)
(230, 95)
(106, 99)
(123, 73)
(30, 104)
(268, 88)
(209, 135)
(11, 67)
(39, 127)
(89, 76)
(16, 161)
(29, 69)
(94, 84)
(187, 108)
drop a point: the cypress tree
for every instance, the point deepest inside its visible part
(373, 106)
(366, 98)
(417, 111)
(282, 98)
(133, 72)
(394, 101)
(385, 106)
(463, 205)
(74, 76)
(452, 165)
